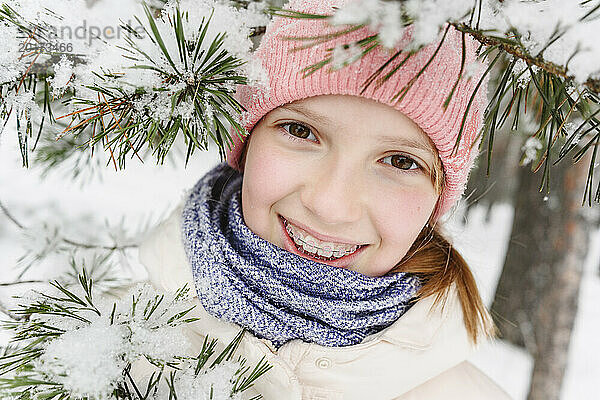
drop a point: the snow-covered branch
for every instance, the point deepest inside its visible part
(80, 344)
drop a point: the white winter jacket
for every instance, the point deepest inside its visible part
(420, 356)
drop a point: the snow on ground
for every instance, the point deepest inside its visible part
(144, 190)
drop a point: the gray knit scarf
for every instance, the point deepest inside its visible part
(278, 295)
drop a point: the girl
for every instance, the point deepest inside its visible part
(320, 236)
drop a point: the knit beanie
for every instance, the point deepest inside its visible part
(423, 102)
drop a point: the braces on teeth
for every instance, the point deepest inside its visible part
(310, 245)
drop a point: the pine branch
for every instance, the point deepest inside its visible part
(37, 367)
(260, 369)
(96, 246)
(36, 43)
(4, 310)
(204, 85)
(515, 49)
(59, 243)
(20, 282)
(10, 216)
(124, 121)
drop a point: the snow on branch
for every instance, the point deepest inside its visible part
(73, 343)
(135, 85)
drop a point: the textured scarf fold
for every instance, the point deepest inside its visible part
(278, 295)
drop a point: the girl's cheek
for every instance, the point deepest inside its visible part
(258, 172)
(269, 177)
(401, 215)
(399, 218)
(407, 205)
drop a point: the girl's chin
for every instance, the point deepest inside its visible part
(346, 262)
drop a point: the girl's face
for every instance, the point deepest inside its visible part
(341, 180)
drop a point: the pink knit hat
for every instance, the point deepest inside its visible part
(423, 102)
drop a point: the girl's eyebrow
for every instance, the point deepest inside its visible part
(406, 142)
(321, 119)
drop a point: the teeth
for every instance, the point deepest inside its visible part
(310, 244)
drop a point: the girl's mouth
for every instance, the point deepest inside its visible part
(303, 243)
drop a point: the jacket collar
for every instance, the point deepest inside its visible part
(423, 343)
(423, 326)
(420, 324)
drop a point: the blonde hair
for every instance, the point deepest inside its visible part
(440, 265)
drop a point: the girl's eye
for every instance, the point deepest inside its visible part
(300, 131)
(401, 162)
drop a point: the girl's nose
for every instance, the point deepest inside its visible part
(332, 193)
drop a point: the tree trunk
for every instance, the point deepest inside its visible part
(536, 299)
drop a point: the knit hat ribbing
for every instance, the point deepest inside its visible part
(423, 102)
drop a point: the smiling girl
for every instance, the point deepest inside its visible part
(321, 237)
(315, 183)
